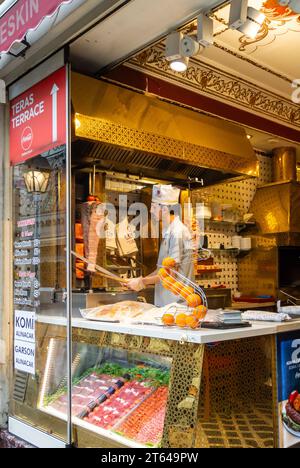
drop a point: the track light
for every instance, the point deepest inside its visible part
(252, 26)
(174, 53)
(178, 50)
(246, 19)
(189, 46)
(179, 47)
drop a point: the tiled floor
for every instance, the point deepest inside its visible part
(250, 429)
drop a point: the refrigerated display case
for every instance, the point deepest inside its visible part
(126, 389)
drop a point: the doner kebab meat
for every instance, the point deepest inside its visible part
(93, 222)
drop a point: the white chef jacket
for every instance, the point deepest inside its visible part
(178, 244)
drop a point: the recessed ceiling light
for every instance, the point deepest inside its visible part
(249, 136)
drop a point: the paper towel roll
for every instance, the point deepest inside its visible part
(236, 242)
(246, 243)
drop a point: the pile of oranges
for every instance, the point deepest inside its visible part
(193, 299)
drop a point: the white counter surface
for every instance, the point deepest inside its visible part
(176, 334)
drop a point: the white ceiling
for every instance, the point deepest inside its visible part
(142, 22)
(133, 27)
(275, 46)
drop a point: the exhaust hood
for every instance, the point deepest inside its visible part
(123, 129)
(276, 208)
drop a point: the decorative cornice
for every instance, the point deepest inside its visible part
(208, 80)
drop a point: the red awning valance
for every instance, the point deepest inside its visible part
(23, 16)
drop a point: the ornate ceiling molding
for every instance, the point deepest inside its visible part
(210, 81)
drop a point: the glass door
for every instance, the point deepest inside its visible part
(39, 155)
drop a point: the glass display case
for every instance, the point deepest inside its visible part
(127, 391)
(115, 392)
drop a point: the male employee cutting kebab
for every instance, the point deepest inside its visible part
(177, 243)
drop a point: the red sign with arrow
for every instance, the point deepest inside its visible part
(38, 120)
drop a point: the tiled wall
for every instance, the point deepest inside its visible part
(240, 195)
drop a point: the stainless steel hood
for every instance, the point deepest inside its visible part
(276, 208)
(122, 129)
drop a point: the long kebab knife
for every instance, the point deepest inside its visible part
(100, 269)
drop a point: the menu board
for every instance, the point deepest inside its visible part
(26, 292)
(38, 133)
(288, 362)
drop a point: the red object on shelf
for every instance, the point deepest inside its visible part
(254, 300)
(202, 271)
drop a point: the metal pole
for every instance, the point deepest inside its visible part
(69, 259)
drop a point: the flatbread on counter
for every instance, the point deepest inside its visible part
(121, 311)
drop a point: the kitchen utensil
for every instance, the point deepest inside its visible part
(101, 270)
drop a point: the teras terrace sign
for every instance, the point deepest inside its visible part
(23, 16)
(38, 118)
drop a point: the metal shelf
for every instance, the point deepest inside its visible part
(230, 251)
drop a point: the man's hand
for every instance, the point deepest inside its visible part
(136, 284)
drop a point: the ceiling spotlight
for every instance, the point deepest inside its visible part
(246, 19)
(189, 46)
(173, 46)
(180, 47)
(295, 5)
(175, 53)
(255, 20)
(180, 65)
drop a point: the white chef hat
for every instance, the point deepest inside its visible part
(165, 195)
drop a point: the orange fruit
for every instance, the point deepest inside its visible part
(200, 312)
(162, 273)
(168, 319)
(181, 320)
(177, 287)
(168, 283)
(169, 262)
(186, 291)
(194, 300)
(192, 321)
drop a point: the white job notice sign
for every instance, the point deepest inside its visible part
(24, 342)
